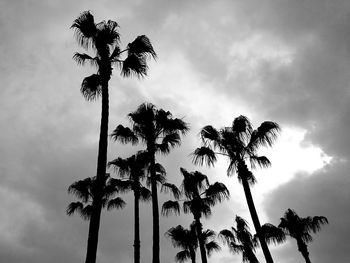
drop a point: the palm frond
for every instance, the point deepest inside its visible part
(170, 207)
(209, 133)
(265, 135)
(204, 154)
(82, 58)
(317, 222)
(211, 247)
(82, 189)
(273, 234)
(242, 127)
(74, 207)
(172, 139)
(116, 203)
(86, 212)
(134, 65)
(85, 29)
(218, 192)
(91, 87)
(121, 166)
(167, 187)
(182, 256)
(227, 236)
(124, 135)
(145, 194)
(141, 46)
(107, 34)
(261, 161)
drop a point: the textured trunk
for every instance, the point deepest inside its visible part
(137, 227)
(94, 224)
(302, 247)
(155, 209)
(255, 219)
(200, 239)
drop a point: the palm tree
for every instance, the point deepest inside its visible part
(83, 189)
(240, 240)
(299, 228)
(160, 132)
(239, 143)
(200, 196)
(134, 168)
(103, 38)
(187, 239)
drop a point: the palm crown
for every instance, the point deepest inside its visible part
(104, 38)
(240, 240)
(83, 189)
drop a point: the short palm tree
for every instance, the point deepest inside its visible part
(103, 38)
(160, 132)
(83, 189)
(300, 228)
(240, 240)
(239, 143)
(134, 170)
(187, 240)
(200, 196)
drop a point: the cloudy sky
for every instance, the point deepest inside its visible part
(285, 61)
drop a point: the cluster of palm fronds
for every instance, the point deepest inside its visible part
(159, 132)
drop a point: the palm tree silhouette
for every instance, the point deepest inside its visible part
(187, 240)
(83, 190)
(239, 143)
(134, 168)
(299, 228)
(240, 240)
(104, 39)
(160, 132)
(200, 196)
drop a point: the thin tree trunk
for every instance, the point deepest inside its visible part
(137, 227)
(200, 239)
(256, 221)
(302, 247)
(155, 210)
(193, 255)
(94, 224)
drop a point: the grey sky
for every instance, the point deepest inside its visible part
(286, 61)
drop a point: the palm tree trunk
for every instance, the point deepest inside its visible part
(137, 227)
(255, 219)
(302, 247)
(200, 239)
(193, 255)
(155, 209)
(94, 224)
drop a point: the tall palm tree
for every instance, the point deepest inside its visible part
(200, 196)
(187, 239)
(300, 228)
(240, 240)
(134, 168)
(160, 132)
(103, 38)
(83, 189)
(240, 144)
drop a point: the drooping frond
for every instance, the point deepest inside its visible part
(204, 154)
(86, 212)
(218, 192)
(82, 58)
(82, 189)
(317, 222)
(170, 207)
(145, 194)
(91, 87)
(242, 127)
(141, 47)
(134, 65)
(227, 236)
(209, 133)
(124, 135)
(273, 234)
(85, 29)
(167, 187)
(265, 135)
(182, 256)
(74, 207)
(261, 161)
(116, 203)
(121, 166)
(107, 34)
(211, 247)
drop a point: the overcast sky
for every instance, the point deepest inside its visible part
(285, 61)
